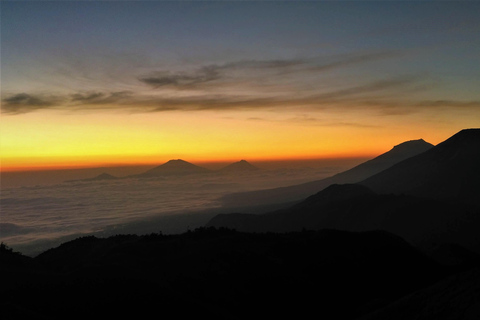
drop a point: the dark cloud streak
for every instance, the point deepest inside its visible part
(218, 72)
(92, 98)
(181, 80)
(24, 103)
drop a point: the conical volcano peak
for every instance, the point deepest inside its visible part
(177, 162)
(176, 166)
(239, 166)
(419, 143)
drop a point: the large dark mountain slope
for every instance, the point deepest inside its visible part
(449, 171)
(299, 192)
(354, 207)
(437, 192)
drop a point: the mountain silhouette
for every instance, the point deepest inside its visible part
(448, 171)
(217, 274)
(175, 167)
(430, 198)
(100, 177)
(240, 166)
(355, 207)
(299, 192)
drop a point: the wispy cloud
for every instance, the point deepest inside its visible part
(254, 68)
(352, 59)
(328, 122)
(88, 98)
(24, 102)
(250, 85)
(181, 80)
(387, 96)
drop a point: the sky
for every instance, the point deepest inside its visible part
(88, 83)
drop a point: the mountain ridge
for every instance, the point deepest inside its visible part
(423, 212)
(299, 192)
(450, 170)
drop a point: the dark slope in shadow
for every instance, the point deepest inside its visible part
(299, 192)
(448, 171)
(220, 274)
(356, 208)
(457, 297)
(428, 198)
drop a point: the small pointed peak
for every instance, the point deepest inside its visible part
(242, 165)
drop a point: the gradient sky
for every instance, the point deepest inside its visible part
(112, 82)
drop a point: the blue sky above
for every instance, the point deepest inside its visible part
(311, 51)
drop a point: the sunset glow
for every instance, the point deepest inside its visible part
(112, 83)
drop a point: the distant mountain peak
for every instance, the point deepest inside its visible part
(105, 176)
(177, 161)
(239, 166)
(176, 167)
(100, 177)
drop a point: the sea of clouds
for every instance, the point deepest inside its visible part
(36, 218)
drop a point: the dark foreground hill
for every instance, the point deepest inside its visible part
(299, 192)
(216, 273)
(456, 297)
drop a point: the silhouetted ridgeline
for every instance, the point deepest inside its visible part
(449, 171)
(352, 207)
(100, 177)
(299, 192)
(432, 197)
(402, 244)
(219, 273)
(179, 167)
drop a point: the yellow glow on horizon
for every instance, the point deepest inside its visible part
(50, 139)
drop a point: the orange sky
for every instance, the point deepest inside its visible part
(105, 83)
(55, 140)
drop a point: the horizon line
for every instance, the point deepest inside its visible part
(85, 166)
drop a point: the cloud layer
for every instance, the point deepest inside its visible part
(249, 85)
